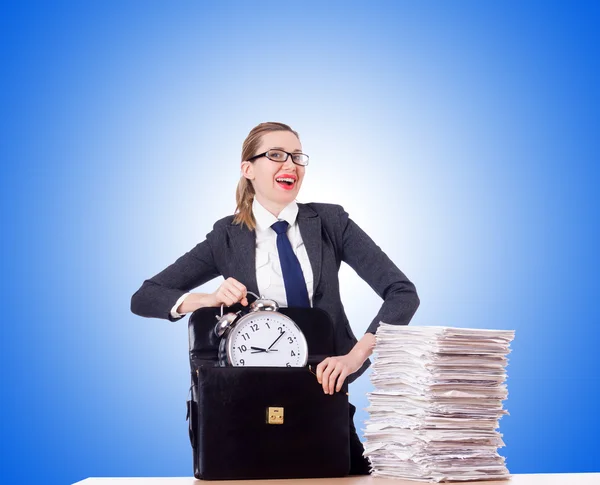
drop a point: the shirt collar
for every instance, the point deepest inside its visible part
(264, 219)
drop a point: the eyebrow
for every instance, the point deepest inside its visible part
(297, 150)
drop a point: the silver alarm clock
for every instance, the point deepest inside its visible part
(263, 337)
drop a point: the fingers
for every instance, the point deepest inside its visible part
(228, 297)
(329, 371)
(242, 291)
(326, 376)
(341, 380)
(236, 284)
(334, 375)
(231, 291)
(320, 369)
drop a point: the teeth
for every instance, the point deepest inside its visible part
(285, 179)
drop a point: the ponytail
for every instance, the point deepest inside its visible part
(244, 196)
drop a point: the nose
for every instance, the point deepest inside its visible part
(289, 165)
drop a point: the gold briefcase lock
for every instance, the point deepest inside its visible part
(274, 415)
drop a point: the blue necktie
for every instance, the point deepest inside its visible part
(293, 279)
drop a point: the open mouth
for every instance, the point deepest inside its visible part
(286, 183)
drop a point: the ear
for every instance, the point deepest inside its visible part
(248, 169)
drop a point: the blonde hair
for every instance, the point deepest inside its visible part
(244, 195)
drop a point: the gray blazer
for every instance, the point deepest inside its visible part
(330, 237)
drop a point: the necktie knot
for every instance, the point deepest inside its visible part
(280, 227)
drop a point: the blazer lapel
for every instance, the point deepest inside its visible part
(309, 223)
(243, 247)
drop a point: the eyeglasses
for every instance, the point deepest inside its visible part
(281, 156)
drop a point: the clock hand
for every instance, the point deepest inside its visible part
(280, 335)
(259, 350)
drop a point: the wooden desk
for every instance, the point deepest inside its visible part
(537, 479)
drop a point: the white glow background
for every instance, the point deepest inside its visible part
(458, 136)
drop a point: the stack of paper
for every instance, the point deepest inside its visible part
(437, 400)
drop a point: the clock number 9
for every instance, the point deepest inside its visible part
(242, 361)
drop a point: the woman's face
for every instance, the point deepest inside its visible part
(264, 172)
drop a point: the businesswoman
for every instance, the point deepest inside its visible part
(287, 251)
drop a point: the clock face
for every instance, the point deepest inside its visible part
(266, 339)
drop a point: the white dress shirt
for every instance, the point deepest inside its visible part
(268, 268)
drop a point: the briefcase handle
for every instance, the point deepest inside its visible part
(192, 417)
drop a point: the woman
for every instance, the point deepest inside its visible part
(295, 262)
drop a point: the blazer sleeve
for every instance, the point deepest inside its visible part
(157, 295)
(373, 266)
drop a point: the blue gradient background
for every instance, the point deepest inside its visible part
(462, 136)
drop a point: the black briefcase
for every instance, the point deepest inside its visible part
(265, 422)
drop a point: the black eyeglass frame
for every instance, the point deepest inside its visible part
(288, 154)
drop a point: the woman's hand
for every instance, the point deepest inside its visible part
(332, 372)
(336, 369)
(230, 292)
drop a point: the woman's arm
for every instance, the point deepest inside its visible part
(228, 293)
(383, 276)
(157, 295)
(194, 301)
(341, 366)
